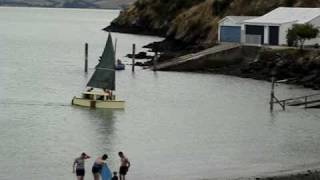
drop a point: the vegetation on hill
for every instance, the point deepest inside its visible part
(192, 21)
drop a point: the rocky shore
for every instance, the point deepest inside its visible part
(298, 67)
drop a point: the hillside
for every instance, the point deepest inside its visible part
(192, 21)
(105, 4)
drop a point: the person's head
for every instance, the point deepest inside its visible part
(121, 154)
(104, 157)
(83, 155)
(115, 173)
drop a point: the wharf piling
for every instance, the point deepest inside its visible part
(115, 48)
(155, 61)
(308, 101)
(86, 57)
(133, 56)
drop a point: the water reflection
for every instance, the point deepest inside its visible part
(273, 117)
(102, 122)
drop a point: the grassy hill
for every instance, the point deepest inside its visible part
(192, 21)
(106, 4)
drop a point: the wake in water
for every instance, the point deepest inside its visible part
(32, 103)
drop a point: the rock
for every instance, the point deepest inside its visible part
(310, 77)
(140, 64)
(140, 55)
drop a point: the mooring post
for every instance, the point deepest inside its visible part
(155, 61)
(306, 102)
(272, 93)
(133, 56)
(115, 48)
(86, 58)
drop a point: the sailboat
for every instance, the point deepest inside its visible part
(102, 83)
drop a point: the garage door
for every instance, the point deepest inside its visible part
(254, 34)
(230, 34)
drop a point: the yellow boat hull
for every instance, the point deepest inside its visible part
(100, 104)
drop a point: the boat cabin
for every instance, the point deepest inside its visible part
(93, 95)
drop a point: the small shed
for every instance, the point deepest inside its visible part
(231, 28)
(272, 28)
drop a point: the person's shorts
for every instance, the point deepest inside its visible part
(123, 170)
(80, 172)
(96, 170)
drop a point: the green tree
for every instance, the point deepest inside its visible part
(299, 33)
(292, 38)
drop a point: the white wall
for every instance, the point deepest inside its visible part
(283, 31)
(316, 23)
(266, 35)
(285, 27)
(243, 33)
(227, 22)
(219, 33)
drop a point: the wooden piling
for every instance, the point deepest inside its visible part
(133, 56)
(155, 61)
(86, 58)
(273, 98)
(272, 93)
(115, 48)
(306, 102)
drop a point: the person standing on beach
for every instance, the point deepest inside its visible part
(79, 167)
(124, 166)
(97, 166)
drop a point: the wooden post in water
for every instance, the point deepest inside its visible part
(86, 58)
(306, 102)
(133, 56)
(272, 93)
(115, 49)
(155, 61)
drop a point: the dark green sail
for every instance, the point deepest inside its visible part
(104, 76)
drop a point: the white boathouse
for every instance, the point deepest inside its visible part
(272, 28)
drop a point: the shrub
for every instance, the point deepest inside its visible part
(292, 38)
(219, 6)
(300, 33)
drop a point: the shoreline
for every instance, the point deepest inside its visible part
(298, 67)
(302, 174)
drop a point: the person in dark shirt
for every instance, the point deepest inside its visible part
(115, 177)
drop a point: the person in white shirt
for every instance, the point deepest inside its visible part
(79, 167)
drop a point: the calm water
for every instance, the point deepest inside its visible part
(175, 125)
